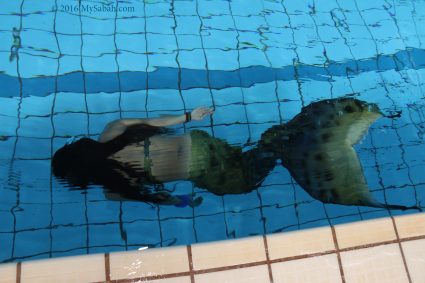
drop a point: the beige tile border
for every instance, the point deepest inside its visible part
(8, 273)
(263, 252)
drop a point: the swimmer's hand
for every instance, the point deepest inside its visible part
(201, 112)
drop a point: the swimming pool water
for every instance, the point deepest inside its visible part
(69, 67)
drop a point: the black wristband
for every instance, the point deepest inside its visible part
(188, 116)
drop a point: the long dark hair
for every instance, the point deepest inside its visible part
(86, 161)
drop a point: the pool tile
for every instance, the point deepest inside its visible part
(365, 232)
(228, 253)
(254, 274)
(297, 243)
(412, 225)
(315, 269)
(88, 268)
(374, 265)
(414, 252)
(151, 262)
(185, 279)
(8, 273)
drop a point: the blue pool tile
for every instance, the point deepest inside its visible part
(132, 25)
(24, 243)
(194, 59)
(132, 62)
(68, 64)
(188, 25)
(186, 8)
(105, 235)
(9, 125)
(133, 101)
(277, 195)
(208, 8)
(210, 228)
(25, 148)
(142, 233)
(248, 39)
(104, 63)
(38, 21)
(157, 9)
(221, 60)
(32, 217)
(161, 43)
(31, 127)
(131, 42)
(197, 97)
(263, 112)
(222, 40)
(279, 218)
(290, 109)
(230, 114)
(417, 175)
(7, 218)
(103, 211)
(227, 96)
(69, 44)
(252, 57)
(312, 211)
(189, 42)
(163, 25)
(211, 204)
(97, 26)
(69, 238)
(36, 64)
(243, 224)
(157, 60)
(250, 23)
(6, 246)
(70, 124)
(69, 213)
(97, 45)
(239, 204)
(218, 23)
(158, 98)
(261, 93)
(103, 102)
(179, 231)
(139, 211)
(256, 130)
(69, 102)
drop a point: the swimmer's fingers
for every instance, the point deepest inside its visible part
(201, 112)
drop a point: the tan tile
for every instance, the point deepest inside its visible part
(414, 252)
(308, 241)
(184, 279)
(365, 232)
(380, 264)
(410, 225)
(88, 268)
(255, 274)
(314, 269)
(227, 253)
(149, 262)
(8, 273)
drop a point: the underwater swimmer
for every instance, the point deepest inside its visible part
(134, 157)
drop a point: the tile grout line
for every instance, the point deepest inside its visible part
(401, 250)
(18, 272)
(338, 254)
(190, 258)
(269, 266)
(107, 268)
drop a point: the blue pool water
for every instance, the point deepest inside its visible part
(67, 68)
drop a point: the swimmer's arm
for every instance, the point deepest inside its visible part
(117, 127)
